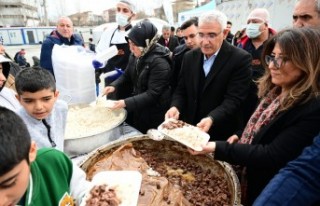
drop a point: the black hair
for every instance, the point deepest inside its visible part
(34, 79)
(15, 140)
(172, 28)
(229, 22)
(190, 22)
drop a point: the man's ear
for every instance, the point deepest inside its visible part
(266, 26)
(225, 33)
(56, 94)
(18, 97)
(32, 152)
(132, 17)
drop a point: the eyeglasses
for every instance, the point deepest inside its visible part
(210, 35)
(278, 62)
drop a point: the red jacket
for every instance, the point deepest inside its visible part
(243, 41)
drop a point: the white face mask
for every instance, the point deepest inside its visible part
(253, 30)
(122, 19)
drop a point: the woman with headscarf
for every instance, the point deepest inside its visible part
(148, 72)
(7, 95)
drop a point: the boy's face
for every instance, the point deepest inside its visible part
(38, 104)
(14, 183)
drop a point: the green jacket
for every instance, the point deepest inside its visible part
(52, 180)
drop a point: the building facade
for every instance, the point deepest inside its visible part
(86, 19)
(237, 12)
(19, 13)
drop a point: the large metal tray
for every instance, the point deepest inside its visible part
(220, 167)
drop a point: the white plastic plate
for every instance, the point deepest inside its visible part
(187, 135)
(126, 184)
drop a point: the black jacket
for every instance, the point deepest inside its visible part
(220, 95)
(177, 58)
(277, 143)
(173, 42)
(149, 76)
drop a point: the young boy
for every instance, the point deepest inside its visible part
(31, 177)
(44, 115)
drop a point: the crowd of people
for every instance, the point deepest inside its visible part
(256, 94)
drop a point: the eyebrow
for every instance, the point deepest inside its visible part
(301, 16)
(9, 179)
(40, 98)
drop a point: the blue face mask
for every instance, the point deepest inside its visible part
(121, 19)
(253, 30)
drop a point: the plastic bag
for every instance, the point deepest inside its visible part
(74, 73)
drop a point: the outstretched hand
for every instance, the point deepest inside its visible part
(205, 124)
(108, 89)
(118, 104)
(210, 147)
(233, 139)
(172, 113)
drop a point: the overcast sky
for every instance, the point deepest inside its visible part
(58, 8)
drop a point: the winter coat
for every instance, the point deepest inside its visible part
(177, 58)
(149, 76)
(47, 46)
(298, 183)
(273, 146)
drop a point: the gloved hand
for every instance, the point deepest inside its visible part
(96, 64)
(115, 76)
(97, 75)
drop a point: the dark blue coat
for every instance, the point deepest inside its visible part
(47, 46)
(298, 183)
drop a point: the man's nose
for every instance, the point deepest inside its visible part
(205, 40)
(298, 23)
(188, 41)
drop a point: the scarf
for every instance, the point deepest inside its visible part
(265, 112)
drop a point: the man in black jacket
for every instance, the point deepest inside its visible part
(214, 81)
(189, 31)
(167, 40)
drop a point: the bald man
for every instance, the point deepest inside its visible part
(62, 35)
(257, 32)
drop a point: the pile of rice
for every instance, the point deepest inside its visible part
(88, 121)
